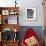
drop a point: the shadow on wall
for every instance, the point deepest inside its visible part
(37, 29)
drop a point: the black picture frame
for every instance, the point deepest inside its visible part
(30, 13)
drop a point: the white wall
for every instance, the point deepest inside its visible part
(7, 3)
(23, 4)
(31, 4)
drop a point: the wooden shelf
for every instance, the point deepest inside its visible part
(4, 13)
(11, 41)
(11, 26)
(9, 8)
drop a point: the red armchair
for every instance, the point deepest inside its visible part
(29, 33)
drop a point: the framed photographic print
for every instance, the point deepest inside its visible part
(30, 13)
(5, 12)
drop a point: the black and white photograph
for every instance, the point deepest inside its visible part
(31, 14)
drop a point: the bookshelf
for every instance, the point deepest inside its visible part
(5, 23)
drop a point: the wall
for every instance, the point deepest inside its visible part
(7, 3)
(23, 4)
(29, 4)
(38, 30)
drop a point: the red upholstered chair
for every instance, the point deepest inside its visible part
(29, 33)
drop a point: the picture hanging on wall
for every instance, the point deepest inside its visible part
(30, 13)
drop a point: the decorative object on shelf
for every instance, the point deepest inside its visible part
(6, 21)
(15, 3)
(5, 12)
(30, 13)
(15, 30)
(15, 37)
(7, 34)
(13, 12)
(15, 34)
